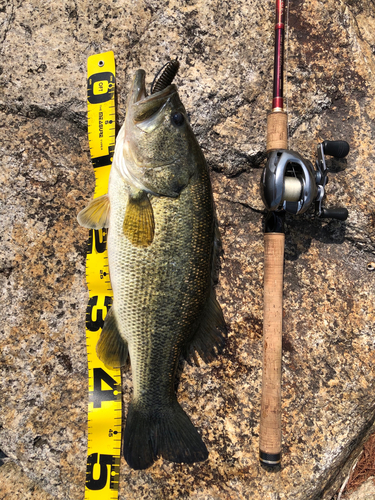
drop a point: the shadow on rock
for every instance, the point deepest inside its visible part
(301, 231)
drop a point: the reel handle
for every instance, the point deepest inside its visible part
(340, 213)
(338, 149)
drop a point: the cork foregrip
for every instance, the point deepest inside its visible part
(277, 131)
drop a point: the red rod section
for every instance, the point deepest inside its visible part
(278, 70)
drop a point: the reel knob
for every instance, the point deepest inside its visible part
(334, 213)
(338, 149)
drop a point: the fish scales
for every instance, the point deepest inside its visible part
(171, 278)
(161, 249)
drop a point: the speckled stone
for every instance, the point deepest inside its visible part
(226, 55)
(16, 485)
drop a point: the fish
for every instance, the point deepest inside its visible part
(163, 244)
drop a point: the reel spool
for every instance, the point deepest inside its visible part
(290, 182)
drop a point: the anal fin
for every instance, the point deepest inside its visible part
(111, 348)
(139, 225)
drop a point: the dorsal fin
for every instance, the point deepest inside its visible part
(209, 338)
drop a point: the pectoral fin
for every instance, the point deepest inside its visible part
(139, 225)
(96, 214)
(111, 348)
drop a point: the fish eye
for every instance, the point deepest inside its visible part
(178, 119)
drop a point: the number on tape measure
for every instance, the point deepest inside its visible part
(94, 313)
(106, 463)
(99, 395)
(97, 241)
(103, 161)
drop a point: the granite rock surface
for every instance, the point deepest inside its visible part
(226, 54)
(16, 485)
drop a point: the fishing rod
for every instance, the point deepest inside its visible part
(289, 184)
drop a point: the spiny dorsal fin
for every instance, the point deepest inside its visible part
(112, 348)
(139, 225)
(96, 214)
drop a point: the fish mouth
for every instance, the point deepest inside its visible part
(161, 85)
(140, 92)
(144, 106)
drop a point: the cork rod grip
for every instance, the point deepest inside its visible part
(277, 130)
(270, 419)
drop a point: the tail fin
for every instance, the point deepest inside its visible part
(166, 433)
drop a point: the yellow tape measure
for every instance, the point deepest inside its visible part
(104, 409)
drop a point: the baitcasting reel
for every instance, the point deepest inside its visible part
(290, 183)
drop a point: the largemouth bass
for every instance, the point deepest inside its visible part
(161, 250)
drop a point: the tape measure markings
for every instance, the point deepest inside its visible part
(104, 424)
